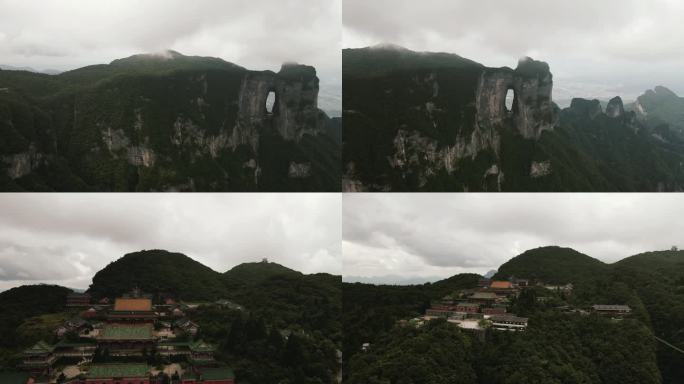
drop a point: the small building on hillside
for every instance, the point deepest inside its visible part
(438, 312)
(508, 322)
(75, 300)
(494, 311)
(612, 309)
(502, 287)
(201, 353)
(486, 298)
(187, 326)
(566, 288)
(467, 307)
(39, 358)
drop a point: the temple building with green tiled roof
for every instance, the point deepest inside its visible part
(215, 375)
(39, 357)
(126, 332)
(127, 339)
(201, 352)
(138, 373)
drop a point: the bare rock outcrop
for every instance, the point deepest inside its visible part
(295, 111)
(21, 164)
(532, 112)
(615, 107)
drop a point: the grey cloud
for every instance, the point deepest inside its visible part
(421, 235)
(633, 45)
(66, 238)
(257, 34)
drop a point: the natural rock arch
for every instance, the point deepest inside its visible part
(270, 101)
(509, 100)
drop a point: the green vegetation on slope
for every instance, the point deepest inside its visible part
(557, 347)
(158, 272)
(433, 97)
(22, 303)
(88, 128)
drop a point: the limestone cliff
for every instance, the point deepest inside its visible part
(438, 122)
(447, 115)
(186, 123)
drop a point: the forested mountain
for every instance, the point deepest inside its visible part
(21, 303)
(557, 347)
(158, 122)
(419, 121)
(280, 326)
(158, 272)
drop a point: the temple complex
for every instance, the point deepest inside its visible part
(114, 344)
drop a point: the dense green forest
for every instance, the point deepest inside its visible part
(408, 113)
(557, 347)
(150, 123)
(286, 330)
(20, 304)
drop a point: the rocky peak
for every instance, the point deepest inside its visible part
(590, 108)
(664, 92)
(657, 96)
(615, 107)
(532, 112)
(295, 110)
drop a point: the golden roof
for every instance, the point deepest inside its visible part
(122, 304)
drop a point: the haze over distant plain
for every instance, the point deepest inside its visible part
(596, 49)
(256, 34)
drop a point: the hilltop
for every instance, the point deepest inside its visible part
(426, 121)
(166, 122)
(159, 272)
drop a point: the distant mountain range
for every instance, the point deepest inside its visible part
(166, 122)
(29, 69)
(422, 121)
(651, 283)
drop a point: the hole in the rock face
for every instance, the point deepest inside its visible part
(270, 101)
(510, 97)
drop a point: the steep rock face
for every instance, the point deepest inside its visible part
(661, 106)
(295, 111)
(532, 112)
(21, 164)
(615, 107)
(438, 118)
(588, 108)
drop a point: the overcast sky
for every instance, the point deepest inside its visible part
(257, 34)
(410, 238)
(594, 48)
(66, 238)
